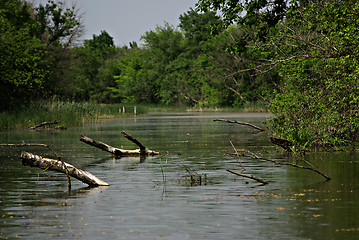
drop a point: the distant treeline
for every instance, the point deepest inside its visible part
(186, 65)
(300, 57)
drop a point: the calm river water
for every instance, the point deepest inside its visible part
(153, 198)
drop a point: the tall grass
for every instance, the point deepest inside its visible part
(77, 113)
(67, 113)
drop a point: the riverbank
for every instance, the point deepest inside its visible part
(78, 113)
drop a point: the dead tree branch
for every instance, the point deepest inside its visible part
(32, 160)
(285, 144)
(44, 124)
(120, 152)
(241, 123)
(135, 141)
(236, 92)
(253, 156)
(239, 160)
(48, 147)
(247, 176)
(189, 98)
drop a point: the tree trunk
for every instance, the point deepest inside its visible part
(44, 124)
(117, 151)
(32, 160)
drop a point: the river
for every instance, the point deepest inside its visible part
(154, 198)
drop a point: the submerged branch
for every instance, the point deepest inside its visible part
(247, 176)
(239, 160)
(241, 123)
(253, 156)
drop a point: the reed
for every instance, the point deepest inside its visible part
(67, 113)
(78, 113)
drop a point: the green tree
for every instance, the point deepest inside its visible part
(23, 68)
(319, 104)
(58, 27)
(199, 28)
(143, 72)
(312, 46)
(26, 57)
(129, 85)
(89, 59)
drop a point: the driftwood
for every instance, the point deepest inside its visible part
(241, 123)
(142, 151)
(41, 145)
(32, 160)
(247, 176)
(44, 124)
(135, 141)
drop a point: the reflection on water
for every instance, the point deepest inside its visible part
(152, 198)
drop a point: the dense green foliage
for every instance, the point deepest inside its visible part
(32, 43)
(313, 47)
(319, 104)
(186, 65)
(300, 57)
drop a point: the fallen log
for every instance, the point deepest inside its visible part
(44, 124)
(32, 160)
(135, 141)
(118, 152)
(41, 145)
(241, 123)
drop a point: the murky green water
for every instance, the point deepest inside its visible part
(153, 198)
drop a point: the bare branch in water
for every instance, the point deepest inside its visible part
(247, 176)
(241, 123)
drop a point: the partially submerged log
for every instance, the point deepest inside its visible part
(41, 145)
(44, 124)
(241, 123)
(32, 160)
(118, 152)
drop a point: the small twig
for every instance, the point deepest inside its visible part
(241, 123)
(239, 160)
(247, 176)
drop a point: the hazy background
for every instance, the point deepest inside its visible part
(127, 20)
